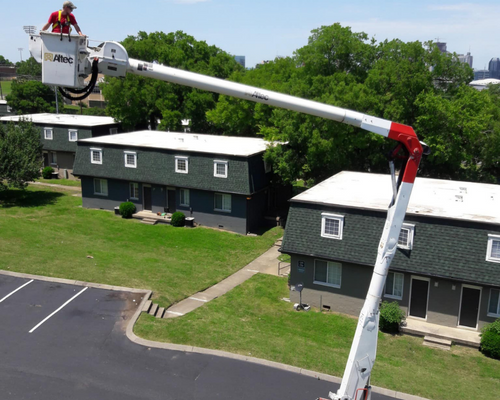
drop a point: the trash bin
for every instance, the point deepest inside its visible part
(189, 222)
(117, 210)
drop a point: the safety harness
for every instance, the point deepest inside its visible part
(66, 23)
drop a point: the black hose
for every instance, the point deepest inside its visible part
(86, 90)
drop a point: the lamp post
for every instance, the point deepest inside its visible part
(21, 52)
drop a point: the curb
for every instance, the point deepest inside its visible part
(199, 350)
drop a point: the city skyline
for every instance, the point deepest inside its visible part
(262, 30)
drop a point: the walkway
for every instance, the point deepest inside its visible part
(73, 188)
(267, 263)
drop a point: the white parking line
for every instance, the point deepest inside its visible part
(19, 288)
(59, 309)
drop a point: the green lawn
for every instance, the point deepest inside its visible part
(45, 231)
(6, 87)
(63, 182)
(253, 320)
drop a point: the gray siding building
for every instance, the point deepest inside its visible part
(221, 181)
(447, 267)
(59, 134)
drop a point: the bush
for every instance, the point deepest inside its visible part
(127, 209)
(47, 172)
(490, 340)
(178, 219)
(391, 317)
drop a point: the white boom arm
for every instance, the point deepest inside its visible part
(112, 59)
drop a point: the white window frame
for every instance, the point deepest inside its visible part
(326, 283)
(186, 196)
(102, 193)
(224, 195)
(48, 130)
(225, 163)
(113, 131)
(340, 218)
(409, 242)
(489, 314)
(392, 296)
(133, 188)
(177, 158)
(491, 239)
(92, 151)
(128, 153)
(70, 131)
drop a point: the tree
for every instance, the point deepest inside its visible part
(4, 61)
(32, 97)
(29, 69)
(20, 154)
(140, 102)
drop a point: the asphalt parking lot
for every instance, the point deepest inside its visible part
(61, 341)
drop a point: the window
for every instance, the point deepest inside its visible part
(327, 273)
(113, 131)
(130, 159)
(181, 164)
(494, 306)
(184, 193)
(48, 133)
(101, 187)
(73, 135)
(267, 167)
(96, 156)
(493, 252)
(394, 285)
(134, 191)
(222, 202)
(53, 158)
(405, 240)
(332, 226)
(220, 169)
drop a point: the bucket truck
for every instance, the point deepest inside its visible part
(67, 61)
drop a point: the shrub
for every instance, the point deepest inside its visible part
(127, 209)
(47, 172)
(490, 340)
(391, 317)
(178, 219)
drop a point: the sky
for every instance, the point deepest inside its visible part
(262, 30)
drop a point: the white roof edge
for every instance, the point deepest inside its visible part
(62, 119)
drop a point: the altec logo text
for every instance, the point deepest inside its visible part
(58, 58)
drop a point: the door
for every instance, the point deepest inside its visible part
(171, 200)
(419, 297)
(469, 306)
(148, 205)
(46, 162)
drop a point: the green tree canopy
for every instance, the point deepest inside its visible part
(31, 97)
(138, 102)
(4, 61)
(20, 154)
(29, 69)
(411, 83)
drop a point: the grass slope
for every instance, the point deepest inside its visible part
(63, 182)
(6, 87)
(252, 320)
(45, 231)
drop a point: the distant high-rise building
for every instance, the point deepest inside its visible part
(466, 59)
(481, 74)
(494, 68)
(442, 47)
(240, 60)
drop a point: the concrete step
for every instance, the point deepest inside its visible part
(147, 306)
(153, 309)
(159, 313)
(149, 221)
(437, 343)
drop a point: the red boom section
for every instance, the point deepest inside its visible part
(405, 135)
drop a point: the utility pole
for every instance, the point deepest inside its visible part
(57, 101)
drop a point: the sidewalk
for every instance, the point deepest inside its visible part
(267, 263)
(73, 188)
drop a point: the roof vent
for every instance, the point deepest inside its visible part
(463, 190)
(195, 137)
(459, 198)
(180, 139)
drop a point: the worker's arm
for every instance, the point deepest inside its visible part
(49, 22)
(78, 30)
(46, 26)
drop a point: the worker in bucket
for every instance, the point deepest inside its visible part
(62, 20)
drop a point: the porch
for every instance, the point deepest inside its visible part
(151, 218)
(463, 337)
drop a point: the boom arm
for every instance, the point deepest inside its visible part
(112, 59)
